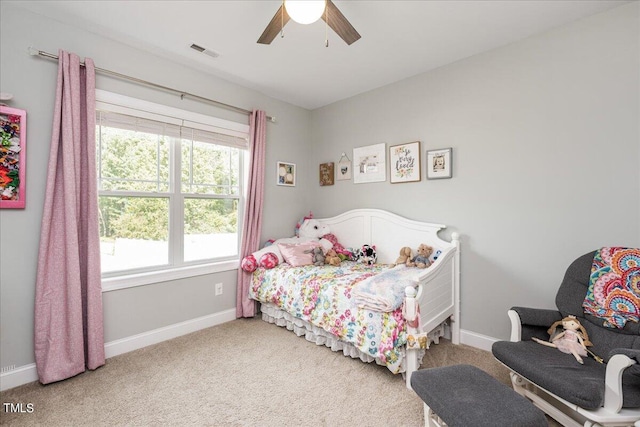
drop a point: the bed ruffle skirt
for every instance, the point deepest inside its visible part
(319, 336)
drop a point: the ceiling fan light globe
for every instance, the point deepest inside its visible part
(305, 11)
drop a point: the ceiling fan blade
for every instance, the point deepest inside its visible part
(278, 22)
(340, 24)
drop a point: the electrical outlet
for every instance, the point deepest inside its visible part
(218, 289)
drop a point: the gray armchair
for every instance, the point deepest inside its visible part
(592, 394)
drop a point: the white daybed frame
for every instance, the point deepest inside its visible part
(437, 298)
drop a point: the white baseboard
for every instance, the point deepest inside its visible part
(156, 336)
(473, 339)
(27, 373)
(22, 375)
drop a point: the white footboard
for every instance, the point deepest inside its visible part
(436, 300)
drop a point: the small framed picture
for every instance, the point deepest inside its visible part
(344, 168)
(370, 164)
(326, 173)
(286, 174)
(404, 162)
(439, 163)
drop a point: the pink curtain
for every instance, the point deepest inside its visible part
(68, 306)
(252, 224)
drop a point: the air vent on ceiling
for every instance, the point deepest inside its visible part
(210, 52)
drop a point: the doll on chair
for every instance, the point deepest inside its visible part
(572, 340)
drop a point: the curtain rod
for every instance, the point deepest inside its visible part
(36, 52)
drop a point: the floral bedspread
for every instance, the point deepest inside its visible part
(323, 296)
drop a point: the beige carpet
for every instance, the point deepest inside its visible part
(241, 373)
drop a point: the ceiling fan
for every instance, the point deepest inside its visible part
(329, 13)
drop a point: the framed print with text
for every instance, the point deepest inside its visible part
(326, 173)
(404, 162)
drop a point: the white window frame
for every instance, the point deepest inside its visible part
(122, 104)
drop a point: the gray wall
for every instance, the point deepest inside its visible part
(32, 81)
(545, 144)
(546, 150)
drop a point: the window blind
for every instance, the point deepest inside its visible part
(173, 127)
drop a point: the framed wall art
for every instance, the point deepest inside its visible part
(13, 168)
(404, 162)
(286, 174)
(369, 164)
(326, 173)
(439, 163)
(344, 168)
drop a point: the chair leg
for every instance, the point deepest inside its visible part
(431, 419)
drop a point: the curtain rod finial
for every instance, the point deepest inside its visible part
(33, 51)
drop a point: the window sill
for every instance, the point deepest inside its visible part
(147, 278)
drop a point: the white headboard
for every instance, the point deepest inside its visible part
(387, 231)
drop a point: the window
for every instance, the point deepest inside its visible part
(170, 186)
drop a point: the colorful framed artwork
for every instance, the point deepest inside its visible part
(286, 174)
(326, 174)
(439, 163)
(404, 162)
(369, 164)
(13, 168)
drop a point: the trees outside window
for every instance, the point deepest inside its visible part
(169, 195)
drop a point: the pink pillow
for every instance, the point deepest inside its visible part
(268, 260)
(249, 264)
(294, 253)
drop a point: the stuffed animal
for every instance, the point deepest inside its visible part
(317, 254)
(421, 260)
(309, 230)
(296, 230)
(342, 252)
(572, 340)
(332, 258)
(366, 255)
(350, 257)
(405, 256)
(312, 229)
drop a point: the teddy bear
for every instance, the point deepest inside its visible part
(317, 255)
(421, 260)
(332, 258)
(405, 256)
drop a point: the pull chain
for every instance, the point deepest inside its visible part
(326, 27)
(282, 21)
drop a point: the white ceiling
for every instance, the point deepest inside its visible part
(399, 38)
